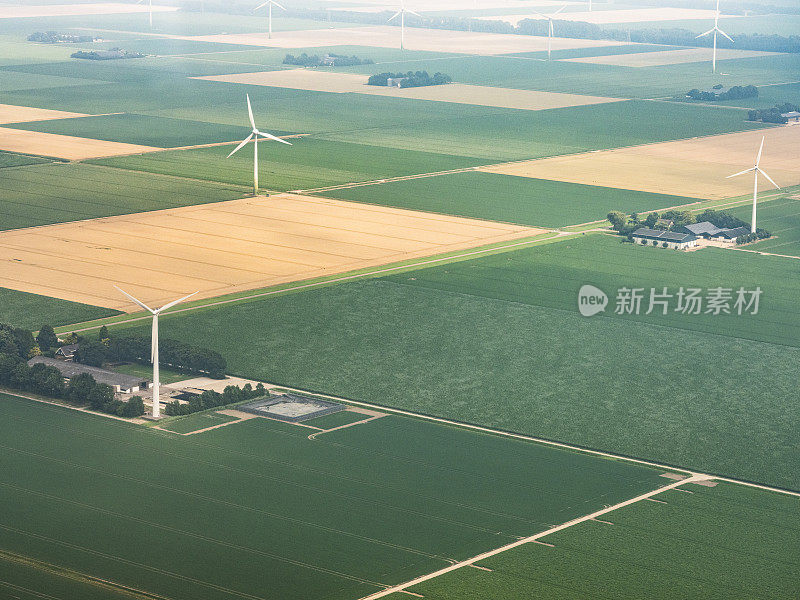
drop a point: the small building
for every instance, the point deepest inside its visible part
(396, 82)
(705, 229)
(792, 117)
(125, 384)
(328, 61)
(664, 239)
(67, 352)
(730, 235)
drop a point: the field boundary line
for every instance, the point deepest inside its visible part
(313, 436)
(471, 561)
(546, 442)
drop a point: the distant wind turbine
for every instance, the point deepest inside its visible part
(402, 14)
(715, 30)
(154, 345)
(270, 4)
(150, 10)
(254, 136)
(756, 170)
(550, 29)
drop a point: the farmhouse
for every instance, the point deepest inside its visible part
(396, 81)
(125, 384)
(67, 352)
(710, 231)
(792, 117)
(665, 239)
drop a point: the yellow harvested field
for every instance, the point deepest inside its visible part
(227, 247)
(64, 146)
(696, 168)
(16, 11)
(669, 57)
(430, 40)
(604, 17)
(21, 114)
(444, 5)
(326, 81)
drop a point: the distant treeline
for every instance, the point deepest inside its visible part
(737, 92)
(53, 37)
(329, 60)
(113, 54)
(773, 115)
(410, 79)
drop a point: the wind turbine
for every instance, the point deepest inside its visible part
(715, 30)
(402, 14)
(254, 136)
(150, 10)
(154, 345)
(270, 4)
(756, 169)
(550, 29)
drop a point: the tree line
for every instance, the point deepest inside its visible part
(333, 60)
(232, 394)
(18, 345)
(411, 79)
(737, 92)
(773, 115)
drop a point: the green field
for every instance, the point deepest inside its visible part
(498, 341)
(345, 417)
(507, 198)
(55, 193)
(11, 159)
(32, 311)
(144, 130)
(196, 422)
(723, 543)
(334, 517)
(781, 217)
(146, 371)
(308, 163)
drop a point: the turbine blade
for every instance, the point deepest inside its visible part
(760, 151)
(142, 304)
(414, 13)
(769, 179)
(260, 6)
(174, 302)
(278, 5)
(394, 16)
(750, 170)
(725, 34)
(272, 137)
(560, 10)
(709, 32)
(250, 113)
(541, 15)
(240, 146)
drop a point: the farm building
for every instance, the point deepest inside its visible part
(125, 384)
(791, 117)
(710, 231)
(396, 81)
(67, 352)
(667, 239)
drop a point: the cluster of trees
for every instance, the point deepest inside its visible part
(773, 115)
(112, 54)
(45, 380)
(411, 79)
(172, 353)
(331, 59)
(53, 37)
(737, 92)
(760, 234)
(211, 399)
(668, 220)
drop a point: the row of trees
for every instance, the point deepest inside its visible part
(211, 399)
(773, 115)
(53, 37)
(331, 59)
(411, 79)
(737, 92)
(112, 54)
(172, 353)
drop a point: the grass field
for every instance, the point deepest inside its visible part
(781, 218)
(56, 193)
(722, 543)
(11, 159)
(32, 311)
(146, 371)
(498, 341)
(144, 130)
(333, 517)
(308, 163)
(196, 422)
(345, 417)
(508, 198)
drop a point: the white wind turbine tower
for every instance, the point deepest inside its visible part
(402, 14)
(756, 170)
(715, 30)
(254, 136)
(270, 4)
(550, 29)
(150, 10)
(154, 345)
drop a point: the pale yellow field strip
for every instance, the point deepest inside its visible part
(696, 168)
(445, 5)
(430, 40)
(64, 146)
(21, 114)
(669, 57)
(603, 17)
(227, 247)
(327, 81)
(16, 11)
